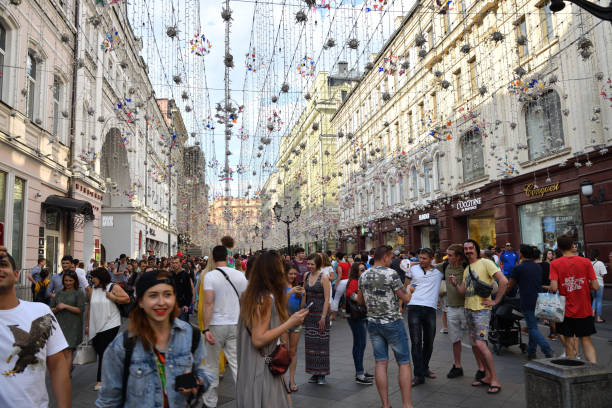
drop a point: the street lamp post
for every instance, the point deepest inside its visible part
(278, 212)
(257, 232)
(604, 13)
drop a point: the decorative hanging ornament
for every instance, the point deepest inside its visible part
(306, 68)
(200, 45)
(111, 41)
(172, 31)
(300, 17)
(353, 43)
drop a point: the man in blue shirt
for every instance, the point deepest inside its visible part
(508, 259)
(528, 276)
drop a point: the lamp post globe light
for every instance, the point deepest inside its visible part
(278, 213)
(604, 13)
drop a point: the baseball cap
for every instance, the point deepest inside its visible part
(149, 279)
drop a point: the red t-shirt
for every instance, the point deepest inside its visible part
(352, 287)
(346, 267)
(573, 274)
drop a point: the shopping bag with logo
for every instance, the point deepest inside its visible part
(84, 354)
(550, 306)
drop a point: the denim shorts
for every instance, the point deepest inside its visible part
(390, 334)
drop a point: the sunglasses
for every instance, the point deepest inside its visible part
(362, 269)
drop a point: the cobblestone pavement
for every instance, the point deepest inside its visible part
(341, 391)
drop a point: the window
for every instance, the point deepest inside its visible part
(3, 200)
(2, 54)
(546, 23)
(437, 172)
(413, 183)
(433, 107)
(57, 97)
(458, 90)
(392, 191)
(410, 126)
(544, 125)
(18, 220)
(446, 21)
(31, 78)
(426, 174)
(472, 156)
(343, 95)
(463, 7)
(384, 199)
(473, 75)
(421, 114)
(430, 39)
(521, 37)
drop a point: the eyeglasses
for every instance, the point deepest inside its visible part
(362, 269)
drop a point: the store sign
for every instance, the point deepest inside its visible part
(108, 220)
(423, 217)
(532, 190)
(469, 205)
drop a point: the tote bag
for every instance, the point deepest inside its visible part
(550, 306)
(84, 354)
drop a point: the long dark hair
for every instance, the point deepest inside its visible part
(139, 322)
(289, 266)
(102, 275)
(266, 278)
(73, 275)
(354, 272)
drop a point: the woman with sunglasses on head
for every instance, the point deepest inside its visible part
(68, 306)
(357, 321)
(165, 367)
(263, 322)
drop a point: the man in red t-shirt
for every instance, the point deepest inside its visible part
(574, 277)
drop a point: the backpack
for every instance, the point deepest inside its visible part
(130, 342)
(125, 308)
(41, 295)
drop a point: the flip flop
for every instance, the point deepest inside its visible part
(480, 383)
(494, 389)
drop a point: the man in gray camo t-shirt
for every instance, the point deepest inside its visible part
(380, 289)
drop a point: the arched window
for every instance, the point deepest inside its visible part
(402, 187)
(427, 169)
(58, 99)
(384, 199)
(544, 125)
(414, 193)
(370, 202)
(472, 156)
(31, 83)
(392, 191)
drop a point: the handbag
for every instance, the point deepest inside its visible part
(550, 306)
(84, 354)
(481, 289)
(278, 360)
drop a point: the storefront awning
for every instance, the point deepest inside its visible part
(70, 205)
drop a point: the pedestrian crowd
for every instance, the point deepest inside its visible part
(252, 310)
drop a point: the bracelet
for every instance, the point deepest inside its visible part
(205, 331)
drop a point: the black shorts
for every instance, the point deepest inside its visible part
(579, 327)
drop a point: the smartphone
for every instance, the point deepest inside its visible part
(185, 381)
(414, 285)
(310, 304)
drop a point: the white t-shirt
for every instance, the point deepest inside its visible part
(427, 286)
(600, 271)
(82, 275)
(226, 304)
(22, 377)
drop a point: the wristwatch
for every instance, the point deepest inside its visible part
(205, 330)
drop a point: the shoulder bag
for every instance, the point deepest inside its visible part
(356, 310)
(481, 289)
(278, 360)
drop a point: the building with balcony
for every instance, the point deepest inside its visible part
(484, 122)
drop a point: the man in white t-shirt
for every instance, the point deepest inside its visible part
(422, 313)
(221, 312)
(30, 341)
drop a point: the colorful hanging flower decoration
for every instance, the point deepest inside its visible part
(250, 61)
(214, 163)
(377, 5)
(389, 65)
(200, 45)
(306, 68)
(125, 111)
(111, 41)
(243, 134)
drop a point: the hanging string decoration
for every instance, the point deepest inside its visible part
(377, 5)
(111, 41)
(306, 68)
(200, 45)
(250, 61)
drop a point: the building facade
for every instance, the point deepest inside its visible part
(236, 217)
(483, 122)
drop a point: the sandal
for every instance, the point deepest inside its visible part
(293, 388)
(494, 389)
(430, 375)
(480, 383)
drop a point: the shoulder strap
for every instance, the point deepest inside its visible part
(230, 282)
(195, 339)
(128, 344)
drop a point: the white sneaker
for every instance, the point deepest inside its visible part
(97, 387)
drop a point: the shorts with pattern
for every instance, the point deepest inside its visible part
(478, 323)
(457, 324)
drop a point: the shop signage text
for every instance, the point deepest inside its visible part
(535, 191)
(423, 217)
(469, 205)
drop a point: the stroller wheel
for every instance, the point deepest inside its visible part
(523, 348)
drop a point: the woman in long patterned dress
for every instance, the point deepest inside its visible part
(316, 324)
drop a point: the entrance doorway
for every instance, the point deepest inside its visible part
(53, 225)
(430, 238)
(481, 228)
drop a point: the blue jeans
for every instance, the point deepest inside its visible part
(422, 326)
(535, 337)
(598, 300)
(390, 334)
(358, 328)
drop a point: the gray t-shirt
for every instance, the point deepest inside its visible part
(35, 272)
(378, 285)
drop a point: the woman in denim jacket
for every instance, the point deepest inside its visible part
(162, 351)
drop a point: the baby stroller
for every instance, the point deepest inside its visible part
(505, 326)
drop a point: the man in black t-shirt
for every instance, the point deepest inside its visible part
(184, 287)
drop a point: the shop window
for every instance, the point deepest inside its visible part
(544, 125)
(413, 183)
(19, 190)
(31, 84)
(472, 156)
(542, 222)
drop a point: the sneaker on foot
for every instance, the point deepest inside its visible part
(531, 357)
(455, 372)
(313, 379)
(549, 355)
(444, 330)
(368, 375)
(321, 380)
(361, 379)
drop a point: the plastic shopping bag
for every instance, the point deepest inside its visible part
(84, 354)
(550, 306)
